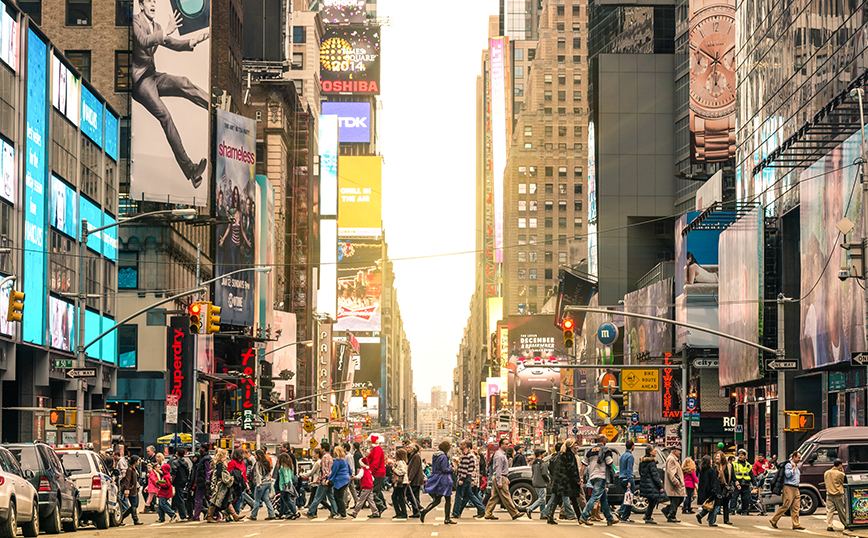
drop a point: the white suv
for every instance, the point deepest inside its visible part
(97, 491)
(19, 501)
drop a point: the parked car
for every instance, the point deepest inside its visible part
(19, 501)
(97, 492)
(59, 505)
(523, 493)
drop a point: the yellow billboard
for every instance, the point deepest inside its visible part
(359, 196)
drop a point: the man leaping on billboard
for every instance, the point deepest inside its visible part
(149, 85)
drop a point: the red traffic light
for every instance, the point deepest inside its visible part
(532, 398)
(195, 308)
(568, 324)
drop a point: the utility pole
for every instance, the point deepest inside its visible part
(860, 93)
(685, 424)
(195, 394)
(782, 382)
(80, 354)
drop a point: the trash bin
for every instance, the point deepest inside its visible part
(856, 497)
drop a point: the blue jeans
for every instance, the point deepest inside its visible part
(323, 491)
(261, 496)
(599, 494)
(163, 508)
(624, 511)
(712, 516)
(465, 495)
(540, 500)
(565, 502)
(287, 505)
(123, 502)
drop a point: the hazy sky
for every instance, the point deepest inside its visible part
(430, 61)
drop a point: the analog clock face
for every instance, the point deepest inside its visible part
(712, 58)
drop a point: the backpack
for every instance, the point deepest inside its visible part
(777, 485)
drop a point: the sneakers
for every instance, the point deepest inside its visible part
(173, 518)
(374, 516)
(672, 520)
(650, 522)
(451, 522)
(339, 517)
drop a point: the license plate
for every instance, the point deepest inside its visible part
(85, 501)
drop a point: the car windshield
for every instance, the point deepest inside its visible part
(75, 463)
(805, 448)
(27, 457)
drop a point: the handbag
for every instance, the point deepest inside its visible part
(708, 505)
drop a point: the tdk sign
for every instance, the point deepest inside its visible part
(354, 120)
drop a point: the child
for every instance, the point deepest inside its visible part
(366, 480)
(540, 480)
(690, 483)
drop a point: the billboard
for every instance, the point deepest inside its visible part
(8, 38)
(696, 283)
(648, 340)
(498, 48)
(344, 11)
(832, 310)
(360, 196)
(64, 208)
(111, 135)
(91, 116)
(324, 355)
(236, 242)
(8, 177)
(179, 362)
(285, 358)
(354, 120)
(593, 268)
(712, 81)
(741, 297)
(350, 60)
(534, 343)
(34, 190)
(171, 98)
(328, 147)
(360, 284)
(573, 291)
(368, 364)
(64, 90)
(61, 324)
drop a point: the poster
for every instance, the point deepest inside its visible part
(171, 97)
(236, 197)
(360, 283)
(61, 324)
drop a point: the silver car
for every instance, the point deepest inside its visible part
(19, 501)
(97, 491)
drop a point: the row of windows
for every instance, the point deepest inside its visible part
(549, 205)
(562, 95)
(531, 257)
(578, 146)
(562, 43)
(519, 54)
(531, 274)
(549, 239)
(530, 171)
(562, 79)
(530, 188)
(80, 12)
(549, 130)
(531, 222)
(561, 10)
(562, 111)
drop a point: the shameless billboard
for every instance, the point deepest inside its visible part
(350, 60)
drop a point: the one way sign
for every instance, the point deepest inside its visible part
(859, 359)
(780, 364)
(77, 373)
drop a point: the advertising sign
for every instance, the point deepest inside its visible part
(858, 504)
(91, 116)
(350, 61)
(8, 177)
(741, 297)
(8, 38)
(573, 291)
(247, 393)
(170, 135)
(34, 191)
(369, 364)
(649, 339)
(592, 201)
(328, 157)
(235, 243)
(324, 369)
(6, 327)
(360, 283)
(344, 11)
(285, 358)
(64, 208)
(179, 362)
(498, 48)
(62, 324)
(64, 90)
(111, 135)
(354, 120)
(696, 283)
(360, 197)
(831, 310)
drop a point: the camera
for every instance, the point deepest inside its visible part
(843, 273)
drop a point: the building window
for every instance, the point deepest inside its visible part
(562, 171)
(577, 111)
(577, 131)
(533, 187)
(550, 188)
(522, 223)
(549, 130)
(547, 111)
(562, 146)
(528, 145)
(531, 54)
(33, 9)
(548, 274)
(519, 55)
(549, 205)
(549, 145)
(298, 60)
(577, 95)
(531, 171)
(562, 222)
(560, 25)
(562, 257)
(577, 222)
(562, 130)
(522, 171)
(533, 205)
(562, 205)
(522, 256)
(548, 256)
(550, 171)
(577, 78)
(549, 222)
(549, 239)
(522, 188)
(562, 188)
(532, 239)
(78, 12)
(532, 256)
(123, 12)
(578, 146)
(528, 130)
(577, 205)
(562, 240)
(531, 222)
(522, 273)
(519, 90)
(518, 71)
(298, 34)
(562, 79)
(522, 291)
(80, 59)
(128, 336)
(123, 61)
(577, 188)
(560, 11)
(522, 239)
(577, 42)
(578, 172)
(532, 291)
(548, 79)
(562, 111)
(562, 43)
(522, 205)
(577, 58)
(576, 11)
(561, 58)
(532, 274)
(547, 95)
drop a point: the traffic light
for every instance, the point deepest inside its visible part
(568, 332)
(364, 401)
(266, 381)
(64, 417)
(212, 319)
(800, 421)
(531, 402)
(195, 318)
(367, 421)
(16, 306)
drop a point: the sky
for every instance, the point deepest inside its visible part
(429, 64)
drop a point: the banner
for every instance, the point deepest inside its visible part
(171, 97)
(360, 284)
(284, 358)
(498, 48)
(179, 362)
(236, 197)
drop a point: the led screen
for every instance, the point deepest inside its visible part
(344, 11)
(350, 61)
(91, 116)
(61, 324)
(64, 208)
(111, 135)
(360, 283)
(354, 120)
(6, 327)
(8, 38)
(360, 196)
(64, 90)
(8, 178)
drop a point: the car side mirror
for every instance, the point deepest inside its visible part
(812, 458)
(28, 473)
(67, 473)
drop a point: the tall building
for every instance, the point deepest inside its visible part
(439, 397)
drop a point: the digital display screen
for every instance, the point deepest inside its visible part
(344, 11)
(328, 152)
(91, 116)
(350, 61)
(8, 178)
(64, 208)
(64, 90)
(354, 120)
(8, 38)
(111, 135)
(6, 327)
(34, 190)
(61, 324)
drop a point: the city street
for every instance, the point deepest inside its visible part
(467, 527)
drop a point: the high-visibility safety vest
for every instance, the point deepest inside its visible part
(742, 470)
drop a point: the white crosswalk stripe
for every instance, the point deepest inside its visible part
(767, 528)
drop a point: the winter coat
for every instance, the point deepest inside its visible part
(203, 470)
(165, 489)
(153, 488)
(649, 480)
(180, 473)
(539, 474)
(440, 481)
(691, 480)
(221, 482)
(340, 475)
(233, 465)
(565, 475)
(414, 470)
(376, 461)
(709, 484)
(130, 482)
(400, 471)
(260, 476)
(519, 460)
(674, 479)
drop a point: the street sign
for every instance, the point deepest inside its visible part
(603, 409)
(634, 419)
(313, 443)
(78, 373)
(859, 359)
(575, 430)
(247, 420)
(640, 380)
(706, 363)
(691, 404)
(780, 364)
(214, 428)
(259, 345)
(64, 363)
(607, 334)
(231, 423)
(611, 432)
(171, 409)
(609, 383)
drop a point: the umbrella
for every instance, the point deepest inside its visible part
(176, 439)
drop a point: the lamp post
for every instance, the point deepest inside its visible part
(80, 298)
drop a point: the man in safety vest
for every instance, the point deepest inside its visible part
(745, 481)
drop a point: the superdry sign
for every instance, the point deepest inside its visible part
(179, 362)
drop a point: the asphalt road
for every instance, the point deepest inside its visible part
(467, 527)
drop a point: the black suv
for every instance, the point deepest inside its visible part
(59, 504)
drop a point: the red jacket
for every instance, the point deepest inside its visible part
(376, 461)
(165, 490)
(236, 465)
(367, 481)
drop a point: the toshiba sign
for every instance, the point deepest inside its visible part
(354, 120)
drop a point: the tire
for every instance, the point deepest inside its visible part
(9, 528)
(115, 517)
(640, 504)
(31, 529)
(102, 520)
(72, 526)
(522, 495)
(52, 522)
(808, 502)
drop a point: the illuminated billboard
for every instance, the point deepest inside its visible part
(696, 283)
(8, 177)
(354, 120)
(64, 90)
(360, 197)
(91, 116)
(111, 135)
(64, 208)
(350, 60)
(62, 324)
(360, 285)
(8, 38)
(344, 11)
(498, 48)
(328, 158)
(171, 90)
